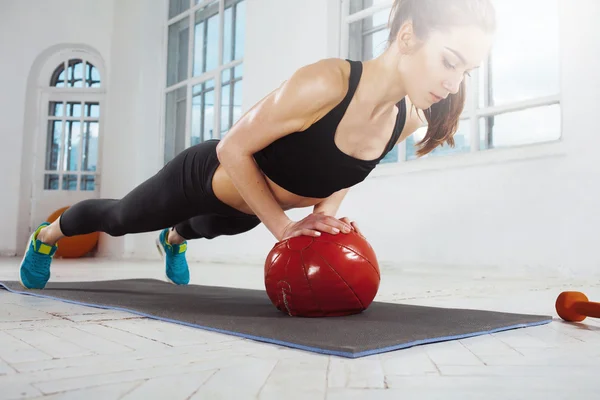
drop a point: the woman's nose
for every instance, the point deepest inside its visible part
(452, 85)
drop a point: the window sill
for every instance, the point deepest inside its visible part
(531, 152)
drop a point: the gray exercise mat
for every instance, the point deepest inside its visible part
(249, 313)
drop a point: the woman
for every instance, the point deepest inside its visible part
(303, 145)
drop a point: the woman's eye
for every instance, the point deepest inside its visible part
(448, 65)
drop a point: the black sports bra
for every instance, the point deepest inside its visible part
(309, 164)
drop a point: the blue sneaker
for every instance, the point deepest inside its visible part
(35, 266)
(177, 268)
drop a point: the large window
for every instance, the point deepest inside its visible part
(205, 50)
(72, 126)
(512, 100)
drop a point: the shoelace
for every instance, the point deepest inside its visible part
(178, 263)
(40, 263)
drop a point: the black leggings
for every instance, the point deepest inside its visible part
(180, 195)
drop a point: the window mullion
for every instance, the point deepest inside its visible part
(489, 101)
(233, 28)
(188, 88)
(80, 146)
(475, 139)
(231, 100)
(59, 164)
(218, 83)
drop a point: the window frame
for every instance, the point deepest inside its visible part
(65, 97)
(67, 94)
(190, 81)
(471, 113)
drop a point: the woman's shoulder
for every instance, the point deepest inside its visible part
(325, 80)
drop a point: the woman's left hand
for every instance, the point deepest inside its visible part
(353, 225)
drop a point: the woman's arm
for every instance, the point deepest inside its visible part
(331, 205)
(310, 93)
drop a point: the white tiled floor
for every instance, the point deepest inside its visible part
(57, 350)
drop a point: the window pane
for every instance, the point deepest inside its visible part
(231, 97)
(208, 117)
(71, 154)
(534, 125)
(237, 101)
(238, 71)
(175, 123)
(240, 29)
(89, 146)
(69, 182)
(228, 34)
(469, 82)
(74, 109)
(75, 73)
(391, 157)
(53, 145)
(368, 37)
(462, 142)
(92, 110)
(87, 182)
(92, 76)
(525, 62)
(61, 80)
(359, 5)
(177, 7)
(199, 33)
(50, 182)
(206, 38)
(56, 109)
(177, 64)
(58, 76)
(226, 76)
(202, 112)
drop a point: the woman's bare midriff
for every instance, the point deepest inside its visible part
(226, 191)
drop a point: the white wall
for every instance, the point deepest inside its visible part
(517, 208)
(28, 30)
(132, 142)
(282, 36)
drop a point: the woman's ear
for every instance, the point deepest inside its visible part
(406, 39)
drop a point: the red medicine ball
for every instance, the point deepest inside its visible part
(326, 276)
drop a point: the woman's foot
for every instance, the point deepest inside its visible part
(173, 248)
(35, 267)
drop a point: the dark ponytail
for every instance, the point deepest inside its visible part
(442, 121)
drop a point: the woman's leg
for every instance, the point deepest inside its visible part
(211, 226)
(176, 193)
(179, 191)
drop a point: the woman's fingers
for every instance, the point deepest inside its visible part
(323, 227)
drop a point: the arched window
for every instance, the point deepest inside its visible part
(75, 73)
(73, 126)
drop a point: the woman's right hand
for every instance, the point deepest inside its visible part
(313, 224)
(310, 93)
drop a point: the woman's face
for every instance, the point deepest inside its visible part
(438, 66)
